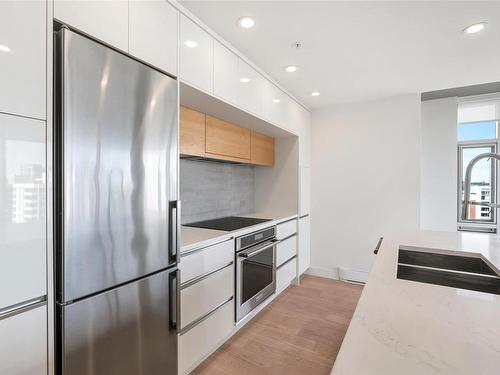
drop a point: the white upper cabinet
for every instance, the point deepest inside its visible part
(304, 190)
(23, 58)
(153, 33)
(196, 59)
(22, 203)
(226, 80)
(251, 86)
(273, 104)
(104, 20)
(305, 137)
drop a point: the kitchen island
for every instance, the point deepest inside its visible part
(408, 327)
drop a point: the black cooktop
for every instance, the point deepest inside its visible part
(228, 223)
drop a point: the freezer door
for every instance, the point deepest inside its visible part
(117, 156)
(129, 330)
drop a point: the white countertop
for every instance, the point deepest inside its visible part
(406, 327)
(192, 238)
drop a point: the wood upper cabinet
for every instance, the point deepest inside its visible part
(192, 132)
(226, 139)
(261, 149)
(205, 136)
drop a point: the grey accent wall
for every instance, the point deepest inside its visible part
(209, 190)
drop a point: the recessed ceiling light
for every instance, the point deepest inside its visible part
(291, 68)
(315, 93)
(4, 48)
(477, 27)
(244, 80)
(276, 100)
(246, 22)
(190, 44)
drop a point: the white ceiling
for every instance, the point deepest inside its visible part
(357, 50)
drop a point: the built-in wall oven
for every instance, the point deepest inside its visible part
(255, 270)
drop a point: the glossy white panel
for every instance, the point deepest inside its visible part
(153, 33)
(22, 58)
(226, 81)
(304, 244)
(274, 104)
(285, 275)
(285, 250)
(305, 137)
(196, 55)
(23, 343)
(251, 85)
(305, 190)
(207, 260)
(22, 209)
(286, 229)
(104, 20)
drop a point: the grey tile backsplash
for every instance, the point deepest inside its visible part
(209, 190)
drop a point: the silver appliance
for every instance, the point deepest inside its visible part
(255, 270)
(116, 212)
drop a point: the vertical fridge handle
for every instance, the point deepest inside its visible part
(175, 230)
(173, 303)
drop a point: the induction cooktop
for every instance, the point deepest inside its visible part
(228, 223)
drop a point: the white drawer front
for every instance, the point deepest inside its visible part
(202, 297)
(285, 250)
(285, 275)
(201, 340)
(206, 260)
(286, 229)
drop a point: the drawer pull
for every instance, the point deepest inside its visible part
(19, 308)
(205, 316)
(204, 276)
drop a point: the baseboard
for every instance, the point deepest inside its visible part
(339, 273)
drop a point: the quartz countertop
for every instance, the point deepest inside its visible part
(407, 327)
(192, 238)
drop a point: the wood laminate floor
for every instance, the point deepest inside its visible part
(300, 332)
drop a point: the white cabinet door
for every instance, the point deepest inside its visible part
(305, 138)
(22, 56)
(23, 343)
(251, 85)
(226, 80)
(153, 33)
(285, 275)
(22, 207)
(305, 190)
(273, 104)
(304, 244)
(104, 20)
(196, 55)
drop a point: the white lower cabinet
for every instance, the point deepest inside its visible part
(204, 296)
(285, 250)
(304, 244)
(285, 275)
(286, 229)
(23, 343)
(204, 338)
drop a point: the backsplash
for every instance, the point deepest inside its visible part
(209, 190)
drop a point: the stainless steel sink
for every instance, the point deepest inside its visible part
(447, 270)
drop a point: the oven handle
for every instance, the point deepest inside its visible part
(249, 253)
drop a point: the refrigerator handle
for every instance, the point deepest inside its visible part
(175, 229)
(173, 304)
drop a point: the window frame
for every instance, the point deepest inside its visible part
(468, 225)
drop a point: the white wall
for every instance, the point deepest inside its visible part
(438, 200)
(365, 180)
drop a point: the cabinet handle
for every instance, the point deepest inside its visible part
(22, 307)
(204, 276)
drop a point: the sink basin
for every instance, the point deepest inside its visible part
(448, 270)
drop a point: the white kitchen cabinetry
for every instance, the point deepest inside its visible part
(226, 80)
(22, 204)
(200, 341)
(251, 85)
(153, 33)
(273, 104)
(286, 250)
(286, 229)
(104, 20)
(305, 190)
(305, 137)
(304, 244)
(285, 275)
(206, 260)
(23, 343)
(23, 58)
(196, 55)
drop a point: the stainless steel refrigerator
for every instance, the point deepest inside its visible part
(116, 212)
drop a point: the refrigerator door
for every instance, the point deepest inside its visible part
(129, 330)
(117, 157)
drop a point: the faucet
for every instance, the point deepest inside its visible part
(468, 176)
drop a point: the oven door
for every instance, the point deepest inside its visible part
(255, 276)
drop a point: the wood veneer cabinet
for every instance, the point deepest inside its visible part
(205, 136)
